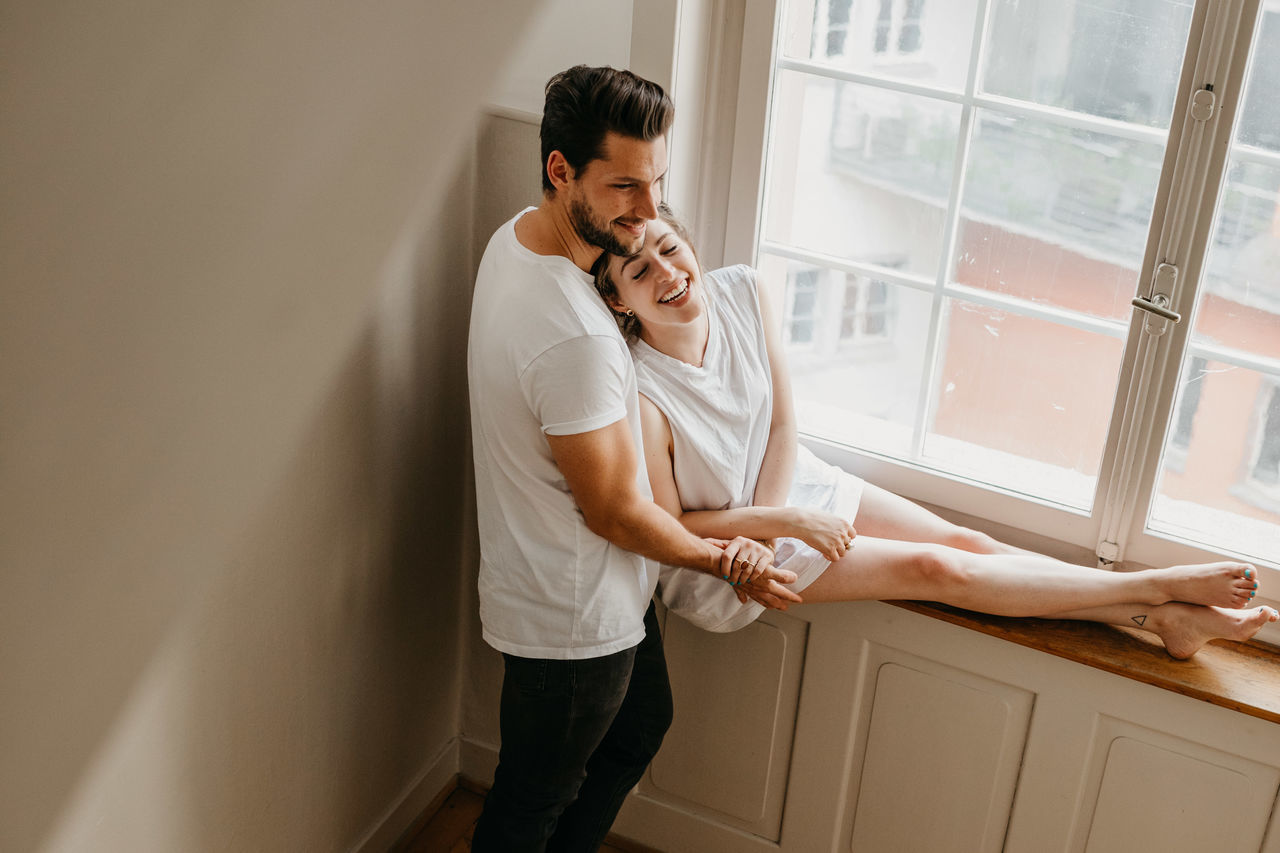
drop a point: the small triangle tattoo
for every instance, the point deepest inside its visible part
(1140, 620)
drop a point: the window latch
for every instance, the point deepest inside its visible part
(1202, 103)
(1158, 303)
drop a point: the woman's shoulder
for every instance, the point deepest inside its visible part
(735, 277)
(736, 287)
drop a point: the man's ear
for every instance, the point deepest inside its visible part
(559, 172)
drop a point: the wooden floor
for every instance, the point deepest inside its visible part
(449, 830)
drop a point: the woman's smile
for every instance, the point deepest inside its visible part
(676, 295)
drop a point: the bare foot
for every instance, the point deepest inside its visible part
(1218, 584)
(1186, 627)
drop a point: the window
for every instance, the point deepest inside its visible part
(864, 312)
(898, 26)
(829, 309)
(989, 211)
(1264, 473)
(802, 305)
(837, 26)
(1185, 416)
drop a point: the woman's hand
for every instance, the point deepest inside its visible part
(744, 561)
(830, 535)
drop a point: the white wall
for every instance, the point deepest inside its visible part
(565, 33)
(235, 258)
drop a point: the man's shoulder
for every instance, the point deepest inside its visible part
(528, 303)
(503, 245)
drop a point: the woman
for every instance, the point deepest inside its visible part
(722, 456)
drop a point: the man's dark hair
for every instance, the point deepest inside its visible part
(584, 103)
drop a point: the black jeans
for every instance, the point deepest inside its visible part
(576, 737)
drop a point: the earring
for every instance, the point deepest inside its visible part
(630, 313)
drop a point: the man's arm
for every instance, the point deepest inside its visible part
(600, 469)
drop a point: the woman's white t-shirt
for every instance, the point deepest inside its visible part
(719, 415)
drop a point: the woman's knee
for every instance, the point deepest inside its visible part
(941, 568)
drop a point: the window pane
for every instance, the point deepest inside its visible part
(866, 394)
(927, 43)
(1022, 403)
(859, 173)
(1242, 278)
(1056, 215)
(1049, 222)
(1117, 60)
(1220, 478)
(1223, 488)
(1260, 118)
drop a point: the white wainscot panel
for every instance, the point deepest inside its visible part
(941, 756)
(1272, 844)
(720, 780)
(1157, 792)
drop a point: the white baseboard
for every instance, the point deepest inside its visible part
(438, 774)
(477, 761)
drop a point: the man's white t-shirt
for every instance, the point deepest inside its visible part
(545, 357)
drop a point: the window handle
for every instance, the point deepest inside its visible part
(1158, 303)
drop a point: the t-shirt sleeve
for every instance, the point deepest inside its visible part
(579, 385)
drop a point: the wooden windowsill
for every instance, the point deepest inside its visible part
(1243, 677)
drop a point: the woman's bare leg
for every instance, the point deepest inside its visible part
(1001, 583)
(998, 583)
(885, 515)
(1183, 628)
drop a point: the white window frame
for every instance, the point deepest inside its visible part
(1222, 31)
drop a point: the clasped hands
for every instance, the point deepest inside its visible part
(747, 566)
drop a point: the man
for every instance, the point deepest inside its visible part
(566, 520)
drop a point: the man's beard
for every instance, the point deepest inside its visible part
(597, 235)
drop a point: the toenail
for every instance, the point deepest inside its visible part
(1248, 573)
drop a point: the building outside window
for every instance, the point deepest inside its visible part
(1012, 171)
(1262, 482)
(865, 312)
(802, 306)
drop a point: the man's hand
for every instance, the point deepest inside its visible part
(769, 592)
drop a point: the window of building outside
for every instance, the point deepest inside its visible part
(982, 213)
(827, 309)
